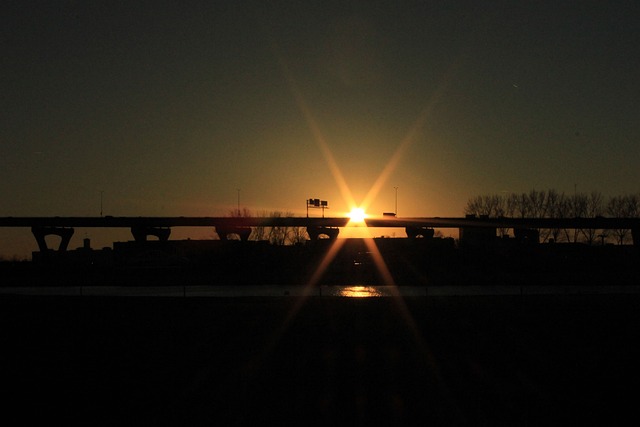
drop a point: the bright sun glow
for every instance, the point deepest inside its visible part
(357, 215)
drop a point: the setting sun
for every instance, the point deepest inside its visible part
(357, 215)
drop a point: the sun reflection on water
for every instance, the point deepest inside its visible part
(360, 292)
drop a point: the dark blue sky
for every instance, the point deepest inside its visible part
(169, 108)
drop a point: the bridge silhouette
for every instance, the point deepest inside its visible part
(160, 227)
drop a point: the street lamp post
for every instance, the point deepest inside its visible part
(396, 188)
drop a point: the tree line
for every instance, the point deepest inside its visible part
(274, 235)
(555, 204)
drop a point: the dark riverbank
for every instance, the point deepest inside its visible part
(563, 360)
(420, 262)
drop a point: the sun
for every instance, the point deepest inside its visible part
(357, 215)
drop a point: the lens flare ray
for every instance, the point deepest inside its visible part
(337, 244)
(317, 134)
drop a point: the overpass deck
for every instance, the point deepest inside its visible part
(435, 222)
(142, 227)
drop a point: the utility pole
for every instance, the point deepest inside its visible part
(396, 200)
(238, 201)
(101, 193)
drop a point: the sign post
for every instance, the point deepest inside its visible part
(317, 203)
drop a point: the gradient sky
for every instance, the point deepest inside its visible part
(168, 108)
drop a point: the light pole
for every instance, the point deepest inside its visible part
(396, 188)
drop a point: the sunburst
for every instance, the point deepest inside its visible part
(337, 244)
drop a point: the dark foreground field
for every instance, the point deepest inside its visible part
(534, 360)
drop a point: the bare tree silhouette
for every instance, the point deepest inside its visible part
(555, 204)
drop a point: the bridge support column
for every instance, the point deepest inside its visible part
(41, 232)
(315, 232)
(243, 232)
(635, 235)
(141, 233)
(414, 232)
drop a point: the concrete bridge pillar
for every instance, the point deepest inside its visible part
(414, 232)
(243, 232)
(315, 232)
(41, 232)
(141, 233)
